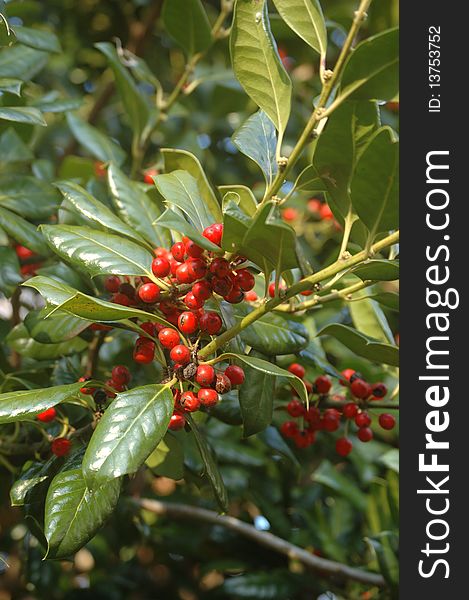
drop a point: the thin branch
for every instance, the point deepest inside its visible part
(263, 538)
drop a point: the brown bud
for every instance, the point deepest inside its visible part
(222, 383)
(189, 371)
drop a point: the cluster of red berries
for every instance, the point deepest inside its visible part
(206, 386)
(25, 254)
(319, 418)
(118, 382)
(60, 446)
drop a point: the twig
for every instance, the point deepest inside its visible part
(268, 540)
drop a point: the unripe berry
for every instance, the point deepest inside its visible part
(60, 446)
(144, 351)
(161, 266)
(112, 283)
(189, 401)
(205, 375)
(178, 250)
(289, 429)
(208, 397)
(188, 322)
(343, 446)
(177, 422)
(47, 415)
(322, 384)
(350, 410)
(202, 290)
(149, 293)
(245, 280)
(235, 374)
(387, 421)
(295, 409)
(297, 369)
(121, 374)
(214, 233)
(365, 434)
(210, 322)
(362, 419)
(251, 296)
(180, 354)
(360, 389)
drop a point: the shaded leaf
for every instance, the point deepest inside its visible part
(22, 114)
(54, 328)
(379, 270)
(306, 19)
(37, 38)
(98, 144)
(20, 341)
(187, 23)
(28, 196)
(21, 62)
(167, 459)
(10, 271)
(241, 195)
(256, 397)
(23, 232)
(13, 147)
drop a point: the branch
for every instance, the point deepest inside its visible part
(268, 540)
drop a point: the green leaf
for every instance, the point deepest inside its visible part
(211, 467)
(54, 328)
(26, 404)
(21, 62)
(256, 398)
(10, 272)
(95, 211)
(306, 19)
(74, 513)
(130, 429)
(22, 114)
(33, 474)
(87, 307)
(309, 180)
(265, 586)
(185, 161)
(10, 85)
(13, 148)
(241, 195)
(375, 184)
(176, 222)
(257, 139)
(387, 559)
(136, 208)
(62, 273)
(20, 341)
(136, 108)
(99, 253)
(23, 232)
(7, 35)
(98, 144)
(187, 23)
(388, 299)
(59, 105)
(28, 196)
(36, 38)
(256, 62)
(167, 459)
(272, 438)
(332, 478)
(273, 334)
(180, 189)
(368, 318)
(379, 270)
(362, 345)
(372, 70)
(256, 363)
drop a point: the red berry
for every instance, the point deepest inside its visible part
(289, 429)
(214, 233)
(363, 419)
(162, 252)
(281, 287)
(379, 390)
(192, 302)
(149, 327)
(245, 280)
(360, 389)
(331, 419)
(84, 389)
(185, 274)
(297, 369)
(210, 322)
(176, 422)
(290, 214)
(180, 354)
(205, 375)
(350, 410)
(121, 299)
(149, 174)
(161, 266)
(314, 205)
(251, 296)
(178, 250)
(197, 267)
(387, 421)
(202, 290)
(235, 296)
(307, 292)
(322, 384)
(144, 351)
(343, 446)
(149, 293)
(121, 375)
(222, 383)
(168, 338)
(295, 408)
(220, 267)
(189, 401)
(325, 212)
(192, 249)
(235, 374)
(313, 416)
(47, 415)
(365, 434)
(346, 374)
(208, 397)
(22, 252)
(188, 322)
(222, 287)
(112, 283)
(60, 446)
(303, 439)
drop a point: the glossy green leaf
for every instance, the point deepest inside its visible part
(306, 19)
(136, 208)
(257, 139)
(256, 62)
(62, 273)
(130, 429)
(97, 252)
(228, 410)
(21, 62)
(181, 189)
(10, 272)
(375, 184)
(58, 105)
(20, 341)
(176, 222)
(10, 84)
(7, 35)
(28, 196)
(379, 270)
(37, 38)
(187, 23)
(167, 459)
(185, 161)
(372, 70)
(98, 144)
(368, 318)
(26, 404)
(362, 345)
(241, 195)
(13, 148)
(49, 327)
(33, 474)
(22, 114)
(23, 232)
(211, 468)
(73, 513)
(309, 180)
(136, 108)
(256, 397)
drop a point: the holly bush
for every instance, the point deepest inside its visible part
(199, 265)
